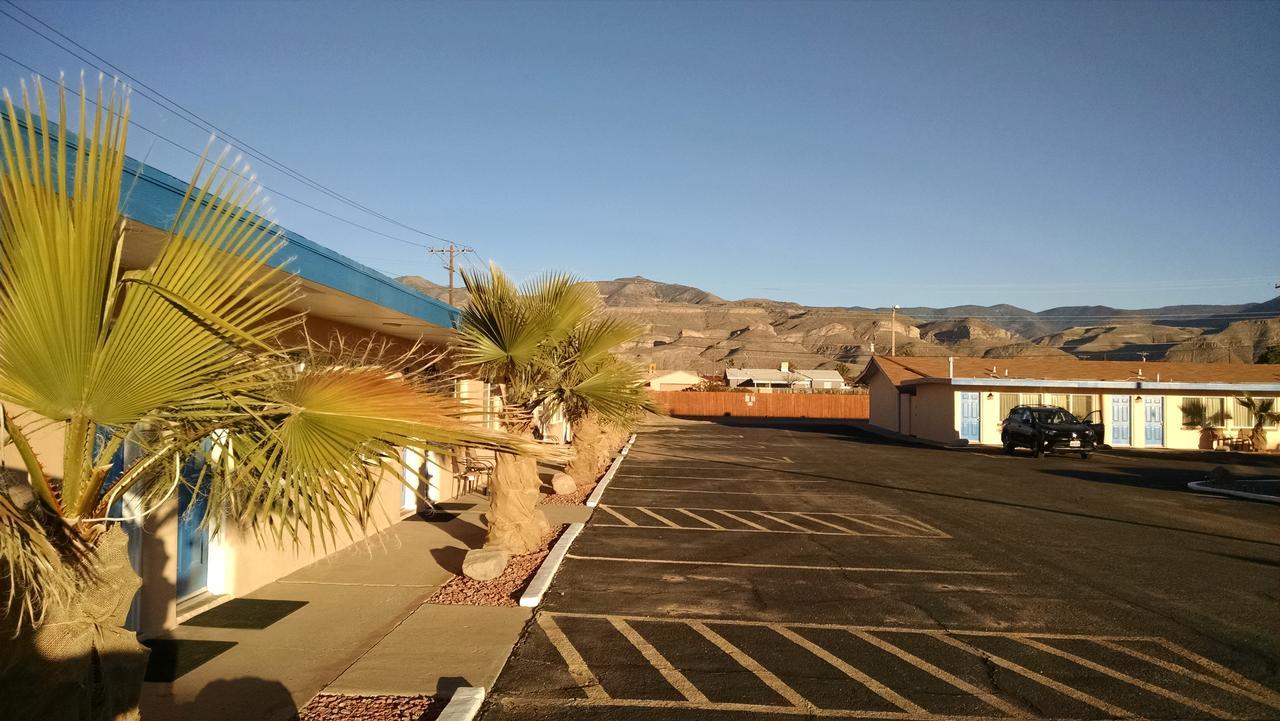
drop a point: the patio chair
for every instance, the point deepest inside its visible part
(1243, 440)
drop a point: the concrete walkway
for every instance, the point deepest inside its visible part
(365, 628)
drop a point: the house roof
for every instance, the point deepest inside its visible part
(760, 375)
(1054, 371)
(822, 375)
(659, 375)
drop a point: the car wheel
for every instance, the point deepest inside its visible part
(1084, 455)
(1008, 445)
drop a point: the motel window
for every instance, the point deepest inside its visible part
(1082, 406)
(1214, 411)
(1007, 403)
(1242, 417)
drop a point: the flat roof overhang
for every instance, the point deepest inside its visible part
(334, 287)
(1100, 385)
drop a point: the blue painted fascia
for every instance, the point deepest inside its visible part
(152, 196)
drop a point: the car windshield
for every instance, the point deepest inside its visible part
(1053, 415)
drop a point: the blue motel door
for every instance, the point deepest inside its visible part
(1154, 414)
(970, 417)
(1120, 420)
(193, 540)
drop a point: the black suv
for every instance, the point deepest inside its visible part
(1045, 429)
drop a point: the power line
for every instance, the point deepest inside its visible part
(185, 149)
(172, 106)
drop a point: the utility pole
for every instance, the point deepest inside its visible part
(452, 250)
(893, 331)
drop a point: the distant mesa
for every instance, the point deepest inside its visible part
(687, 328)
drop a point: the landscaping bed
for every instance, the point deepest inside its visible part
(504, 590)
(338, 707)
(577, 498)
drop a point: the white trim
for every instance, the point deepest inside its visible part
(1122, 385)
(464, 705)
(542, 580)
(594, 499)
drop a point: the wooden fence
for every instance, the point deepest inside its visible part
(765, 405)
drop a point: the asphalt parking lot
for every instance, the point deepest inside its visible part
(775, 571)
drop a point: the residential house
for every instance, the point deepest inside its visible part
(769, 380)
(965, 400)
(672, 380)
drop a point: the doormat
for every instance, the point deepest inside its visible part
(171, 658)
(245, 613)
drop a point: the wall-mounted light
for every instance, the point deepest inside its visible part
(1137, 399)
(991, 396)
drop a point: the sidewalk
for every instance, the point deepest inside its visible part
(354, 623)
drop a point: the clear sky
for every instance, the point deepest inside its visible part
(935, 153)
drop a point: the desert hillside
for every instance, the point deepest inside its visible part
(689, 328)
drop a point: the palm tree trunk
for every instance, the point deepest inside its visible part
(80, 663)
(516, 524)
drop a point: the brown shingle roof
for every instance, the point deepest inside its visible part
(901, 369)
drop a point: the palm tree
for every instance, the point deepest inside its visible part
(546, 345)
(160, 361)
(1264, 414)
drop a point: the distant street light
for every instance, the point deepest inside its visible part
(893, 331)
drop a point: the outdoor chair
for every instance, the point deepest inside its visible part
(1243, 440)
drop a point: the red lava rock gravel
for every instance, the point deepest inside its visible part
(577, 498)
(504, 590)
(337, 707)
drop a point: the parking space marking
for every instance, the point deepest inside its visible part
(729, 493)
(768, 663)
(841, 569)
(625, 521)
(876, 687)
(722, 478)
(855, 524)
(660, 662)
(1039, 678)
(744, 660)
(695, 516)
(578, 668)
(740, 519)
(1145, 686)
(669, 523)
(985, 696)
(1239, 684)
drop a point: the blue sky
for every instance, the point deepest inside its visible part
(840, 154)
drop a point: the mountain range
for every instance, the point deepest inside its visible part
(687, 328)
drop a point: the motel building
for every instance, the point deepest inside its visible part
(184, 570)
(965, 400)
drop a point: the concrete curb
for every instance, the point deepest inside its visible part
(1204, 487)
(594, 499)
(542, 579)
(464, 705)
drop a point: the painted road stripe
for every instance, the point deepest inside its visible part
(871, 629)
(985, 696)
(733, 493)
(744, 660)
(785, 523)
(758, 708)
(739, 519)
(619, 516)
(876, 687)
(1265, 697)
(1220, 670)
(660, 662)
(707, 521)
(1145, 686)
(770, 530)
(815, 519)
(666, 521)
(853, 519)
(711, 478)
(1041, 679)
(735, 564)
(577, 665)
